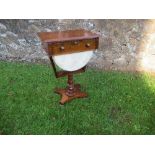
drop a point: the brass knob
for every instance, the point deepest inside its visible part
(87, 45)
(62, 48)
(75, 42)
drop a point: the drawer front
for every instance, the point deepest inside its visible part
(72, 46)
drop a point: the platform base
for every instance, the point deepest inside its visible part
(66, 98)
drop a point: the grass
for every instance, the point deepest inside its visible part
(118, 103)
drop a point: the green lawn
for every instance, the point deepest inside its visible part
(118, 103)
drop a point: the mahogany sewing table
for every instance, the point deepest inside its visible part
(67, 42)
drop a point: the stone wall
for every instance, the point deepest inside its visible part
(124, 44)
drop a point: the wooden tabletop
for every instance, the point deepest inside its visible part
(60, 36)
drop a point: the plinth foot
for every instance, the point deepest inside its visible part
(76, 94)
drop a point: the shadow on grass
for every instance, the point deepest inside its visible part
(118, 103)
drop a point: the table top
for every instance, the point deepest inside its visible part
(69, 35)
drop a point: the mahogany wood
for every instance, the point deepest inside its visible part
(64, 42)
(68, 47)
(70, 35)
(74, 93)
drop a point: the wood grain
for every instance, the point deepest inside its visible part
(68, 47)
(64, 42)
(70, 35)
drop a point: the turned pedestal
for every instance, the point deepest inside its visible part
(71, 92)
